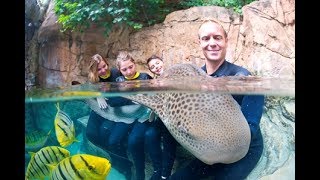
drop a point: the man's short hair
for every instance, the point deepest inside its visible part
(213, 21)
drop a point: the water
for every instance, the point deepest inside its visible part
(277, 123)
(233, 85)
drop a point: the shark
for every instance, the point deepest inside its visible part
(211, 126)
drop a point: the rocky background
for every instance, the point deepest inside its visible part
(262, 40)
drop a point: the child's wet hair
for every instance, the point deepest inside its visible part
(153, 57)
(123, 56)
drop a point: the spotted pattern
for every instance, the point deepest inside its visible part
(210, 126)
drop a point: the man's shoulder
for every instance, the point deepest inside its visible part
(238, 70)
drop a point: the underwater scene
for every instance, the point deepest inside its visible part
(154, 128)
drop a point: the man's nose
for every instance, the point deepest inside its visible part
(212, 41)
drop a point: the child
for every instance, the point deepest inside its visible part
(162, 159)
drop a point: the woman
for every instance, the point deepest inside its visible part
(162, 159)
(106, 134)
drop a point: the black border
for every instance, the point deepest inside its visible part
(13, 94)
(306, 132)
(12, 104)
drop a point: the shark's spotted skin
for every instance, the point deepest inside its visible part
(210, 126)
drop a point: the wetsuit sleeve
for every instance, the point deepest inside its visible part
(114, 74)
(120, 79)
(252, 109)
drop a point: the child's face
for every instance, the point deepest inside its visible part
(102, 68)
(128, 68)
(156, 66)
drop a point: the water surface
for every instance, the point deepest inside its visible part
(232, 85)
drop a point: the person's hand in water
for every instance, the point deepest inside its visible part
(102, 102)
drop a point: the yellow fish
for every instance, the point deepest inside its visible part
(81, 166)
(64, 128)
(38, 164)
(35, 140)
(82, 93)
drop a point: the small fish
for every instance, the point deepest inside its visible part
(82, 93)
(64, 128)
(81, 166)
(38, 165)
(35, 140)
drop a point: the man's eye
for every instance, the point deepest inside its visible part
(205, 38)
(218, 37)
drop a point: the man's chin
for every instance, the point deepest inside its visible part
(213, 58)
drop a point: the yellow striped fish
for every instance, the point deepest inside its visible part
(38, 165)
(64, 128)
(81, 166)
(82, 93)
(35, 140)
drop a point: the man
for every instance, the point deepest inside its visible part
(213, 41)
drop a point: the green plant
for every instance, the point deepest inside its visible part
(236, 5)
(78, 15)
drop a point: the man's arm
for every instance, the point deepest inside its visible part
(252, 109)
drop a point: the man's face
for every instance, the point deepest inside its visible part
(213, 41)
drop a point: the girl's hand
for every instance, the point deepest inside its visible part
(152, 116)
(102, 102)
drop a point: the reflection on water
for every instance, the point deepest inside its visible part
(233, 85)
(277, 123)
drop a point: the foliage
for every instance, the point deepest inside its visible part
(78, 15)
(236, 5)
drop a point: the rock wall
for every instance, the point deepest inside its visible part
(262, 40)
(34, 16)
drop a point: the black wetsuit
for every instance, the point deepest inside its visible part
(252, 108)
(97, 125)
(109, 135)
(137, 135)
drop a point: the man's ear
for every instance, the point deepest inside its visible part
(226, 42)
